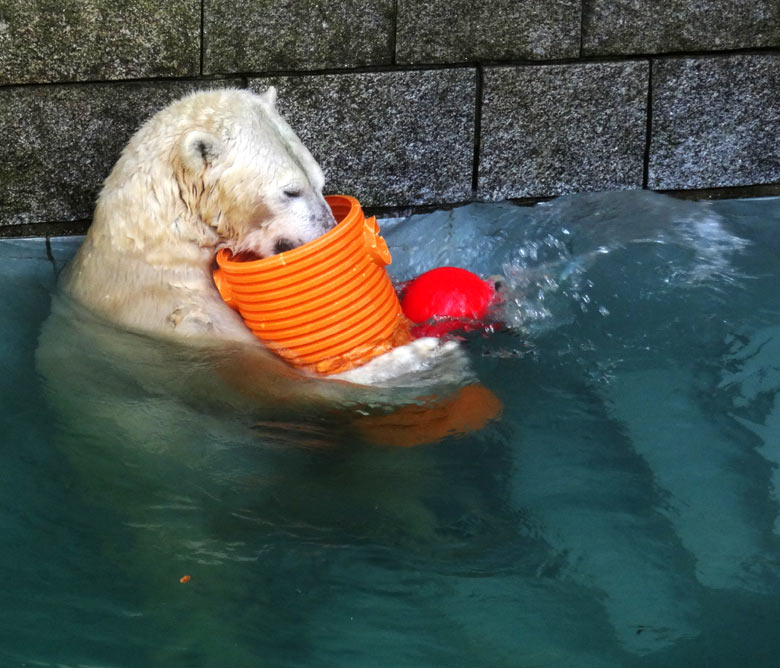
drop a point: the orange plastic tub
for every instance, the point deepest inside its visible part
(326, 306)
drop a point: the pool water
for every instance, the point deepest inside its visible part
(623, 511)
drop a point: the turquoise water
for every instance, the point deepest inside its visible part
(622, 512)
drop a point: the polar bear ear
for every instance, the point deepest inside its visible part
(270, 96)
(199, 150)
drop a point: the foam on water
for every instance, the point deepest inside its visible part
(545, 252)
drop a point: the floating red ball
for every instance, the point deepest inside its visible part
(447, 292)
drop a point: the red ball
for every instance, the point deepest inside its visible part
(447, 292)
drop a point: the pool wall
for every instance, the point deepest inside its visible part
(406, 103)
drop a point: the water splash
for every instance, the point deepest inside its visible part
(560, 258)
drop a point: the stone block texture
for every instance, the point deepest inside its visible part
(403, 102)
(389, 139)
(553, 129)
(81, 40)
(61, 141)
(258, 36)
(715, 122)
(642, 26)
(453, 31)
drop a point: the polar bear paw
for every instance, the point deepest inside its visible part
(421, 362)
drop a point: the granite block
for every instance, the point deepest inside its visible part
(61, 141)
(715, 122)
(80, 40)
(554, 129)
(636, 26)
(241, 36)
(455, 31)
(392, 138)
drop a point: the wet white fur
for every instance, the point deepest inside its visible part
(214, 169)
(211, 170)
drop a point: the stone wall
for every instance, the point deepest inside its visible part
(406, 103)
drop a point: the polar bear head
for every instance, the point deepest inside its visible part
(223, 169)
(243, 172)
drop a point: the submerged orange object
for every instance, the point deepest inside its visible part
(326, 306)
(469, 409)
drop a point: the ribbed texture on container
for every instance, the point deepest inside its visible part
(326, 306)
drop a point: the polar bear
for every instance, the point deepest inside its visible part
(214, 169)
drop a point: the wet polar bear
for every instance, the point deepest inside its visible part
(214, 169)
(166, 405)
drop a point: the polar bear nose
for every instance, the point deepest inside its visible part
(283, 245)
(325, 220)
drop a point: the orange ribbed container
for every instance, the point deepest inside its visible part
(326, 306)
